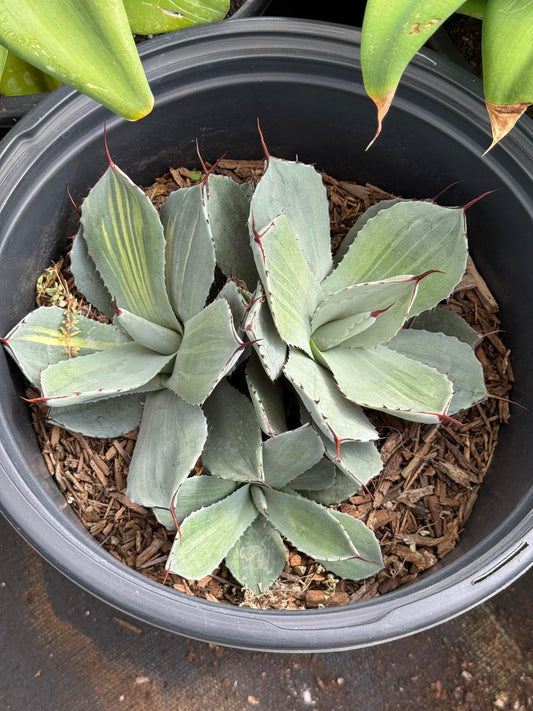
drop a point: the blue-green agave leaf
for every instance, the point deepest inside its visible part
(450, 356)
(266, 397)
(228, 207)
(442, 320)
(261, 330)
(234, 444)
(42, 338)
(363, 315)
(296, 190)
(365, 542)
(307, 525)
(289, 454)
(320, 476)
(359, 460)
(125, 239)
(238, 301)
(198, 491)
(158, 338)
(208, 534)
(209, 349)
(104, 418)
(382, 379)
(292, 290)
(190, 251)
(410, 237)
(100, 375)
(335, 416)
(258, 557)
(87, 280)
(171, 438)
(342, 488)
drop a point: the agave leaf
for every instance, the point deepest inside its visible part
(382, 379)
(158, 338)
(364, 314)
(267, 399)
(450, 356)
(358, 225)
(393, 31)
(208, 534)
(365, 542)
(237, 300)
(3, 59)
(289, 454)
(87, 45)
(170, 440)
(507, 47)
(359, 460)
(209, 349)
(125, 239)
(41, 339)
(100, 375)
(152, 17)
(260, 328)
(292, 291)
(307, 525)
(296, 190)
(233, 449)
(199, 491)
(335, 416)
(411, 237)
(320, 476)
(442, 320)
(190, 251)
(87, 279)
(111, 417)
(342, 488)
(228, 207)
(19, 78)
(258, 557)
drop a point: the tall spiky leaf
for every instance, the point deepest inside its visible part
(208, 534)
(171, 438)
(125, 239)
(152, 17)
(267, 399)
(87, 280)
(507, 47)
(87, 45)
(393, 31)
(261, 330)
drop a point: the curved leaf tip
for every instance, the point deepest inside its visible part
(503, 118)
(383, 105)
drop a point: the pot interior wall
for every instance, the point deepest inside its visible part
(316, 112)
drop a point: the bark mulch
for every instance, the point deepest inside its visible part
(418, 505)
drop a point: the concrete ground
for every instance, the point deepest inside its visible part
(63, 650)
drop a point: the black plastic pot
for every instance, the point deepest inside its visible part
(301, 79)
(13, 108)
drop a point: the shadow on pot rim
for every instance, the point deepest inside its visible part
(302, 80)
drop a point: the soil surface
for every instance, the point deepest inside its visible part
(417, 506)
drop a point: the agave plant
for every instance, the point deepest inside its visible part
(260, 492)
(151, 275)
(341, 320)
(393, 31)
